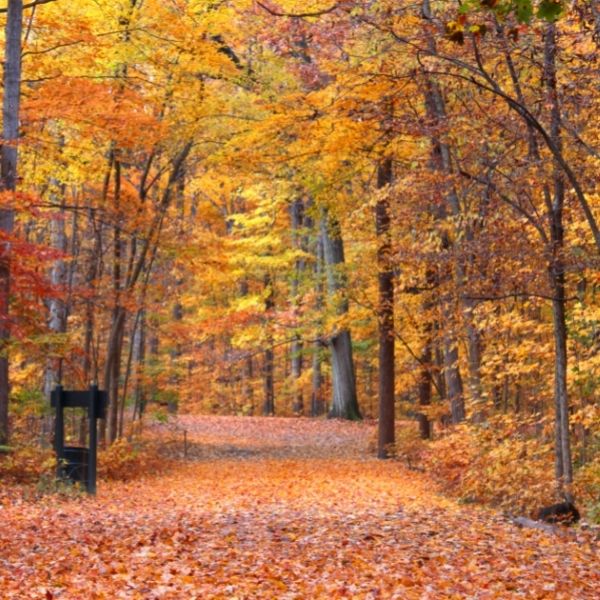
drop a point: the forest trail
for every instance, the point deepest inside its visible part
(281, 508)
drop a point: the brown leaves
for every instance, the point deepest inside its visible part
(286, 520)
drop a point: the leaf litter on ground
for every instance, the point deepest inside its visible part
(298, 509)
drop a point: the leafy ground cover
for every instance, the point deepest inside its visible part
(281, 508)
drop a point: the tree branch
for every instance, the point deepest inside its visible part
(30, 5)
(276, 13)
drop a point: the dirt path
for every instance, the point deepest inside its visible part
(275, 508)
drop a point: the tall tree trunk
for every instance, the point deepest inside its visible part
(139, 360)
(317, 404)
(385, 315)
(8, 181)
(268, 364)
(344, 402)
(441, 162)
(297, 219)
(112, 371)
(57, 308)
(177, 311)
(425, 385)
(317, 401)
(473, 353)
(248, 389)
(595, 4)
(90, 358)
(454, 386)
(564, 466)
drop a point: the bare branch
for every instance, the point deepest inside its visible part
(30, 5)
(316, 13)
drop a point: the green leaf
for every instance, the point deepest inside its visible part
(524, 10)
(550, 10)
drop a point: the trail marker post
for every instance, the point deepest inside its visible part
(78, 463)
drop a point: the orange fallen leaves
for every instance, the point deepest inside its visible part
(280, 508)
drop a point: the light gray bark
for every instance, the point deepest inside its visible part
(8, 180)
(317, 401)
(564, 466)
(139, 361)
(297, 222)
(57, 307)
(344, 402)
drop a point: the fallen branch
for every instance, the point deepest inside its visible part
(531, 524)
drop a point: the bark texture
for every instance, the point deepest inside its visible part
(385, 316)
(344, 403)
(8, 181)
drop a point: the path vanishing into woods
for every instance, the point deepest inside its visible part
(281, 508)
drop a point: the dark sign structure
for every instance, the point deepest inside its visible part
(76, 463)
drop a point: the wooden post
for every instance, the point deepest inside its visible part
(93, 427)
(59, 432)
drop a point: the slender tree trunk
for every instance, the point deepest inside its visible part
(344, 402)
(8, 182)
(268, 364)
(248, 389)
(90, 358)
(454, 386)
(595, 4)
(473, 351)
(297, 219)
(564, 466)
(317, 405)
(139, 359)
(119, 317)
(57, 308)
(317, 401)
(439, 366)
(385, 316)
(425, 385)
(442, 163)
(112, 371)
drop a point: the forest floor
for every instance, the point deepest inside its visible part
(281, 508)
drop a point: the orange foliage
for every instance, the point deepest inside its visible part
(281, 508)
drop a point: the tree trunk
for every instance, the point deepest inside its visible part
(268, 365)
(8, 181)
(248, 389)
(139, 360)
(248, 366)
(344, 402)
(385, 316)
(564, 466)
(57, 308)
(454, 386)
(442, 163)
(317, 405)
(112, 370)
(317, 401)
(297, 219)
(90, 358)
(425, 385)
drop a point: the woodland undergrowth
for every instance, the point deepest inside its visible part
(498, 464)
